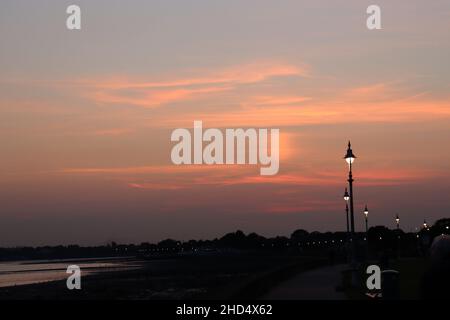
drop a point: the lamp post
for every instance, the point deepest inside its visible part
(366, 218)
(347, 198)
(366, 215)
(350, 158)
(397, 221)
(425, 225)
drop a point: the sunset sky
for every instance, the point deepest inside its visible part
(86, 116)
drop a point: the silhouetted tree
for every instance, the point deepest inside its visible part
(299, 235)
(234, 239)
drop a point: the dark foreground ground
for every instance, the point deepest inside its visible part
(208, 277)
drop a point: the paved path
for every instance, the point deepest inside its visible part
(318, 284)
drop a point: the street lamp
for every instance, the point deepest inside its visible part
(397, 221)
(347, 198)
(366, 214)
(350, 158)
(425, 225)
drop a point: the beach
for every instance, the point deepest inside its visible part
(212, 277)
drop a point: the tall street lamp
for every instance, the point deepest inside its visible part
(350, 158)
(366, 215)
(397, 220)
(347, 198)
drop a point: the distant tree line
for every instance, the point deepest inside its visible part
(301, 242)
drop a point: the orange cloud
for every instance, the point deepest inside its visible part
(245, 73)
(112, 132)
(152, 99)
(155, 186)
(191, 176)
(270, 101)
(151, 94)
(345, 108)
(367, 92)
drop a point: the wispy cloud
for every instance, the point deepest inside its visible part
(378, 103)
(112, 132)
(170, 177)
(152, 94)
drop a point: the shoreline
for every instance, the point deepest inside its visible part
(189, 278)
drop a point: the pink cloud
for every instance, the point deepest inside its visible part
(152, 94)
(112, 132)
(187, 177)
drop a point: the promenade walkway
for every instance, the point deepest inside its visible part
(318, 284)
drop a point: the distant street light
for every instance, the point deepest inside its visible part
(397, 220)
(425, 225)
(366, 214)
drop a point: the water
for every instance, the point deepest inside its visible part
(18, 273)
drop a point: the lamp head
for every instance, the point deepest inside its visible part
(349, 156)
(346, 195)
